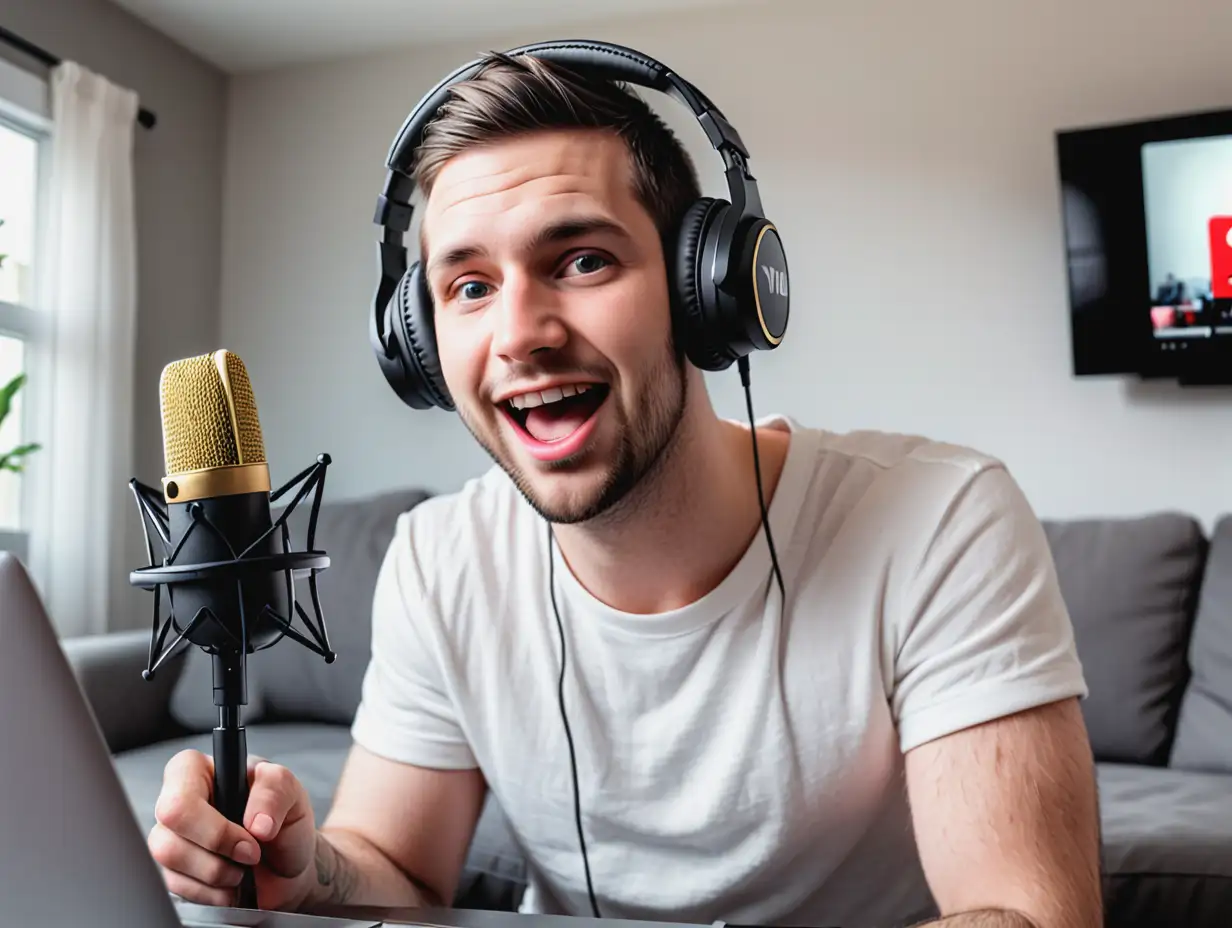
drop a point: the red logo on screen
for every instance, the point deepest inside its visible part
(1221, 257)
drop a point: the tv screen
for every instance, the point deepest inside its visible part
(1147, 209)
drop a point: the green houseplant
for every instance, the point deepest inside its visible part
(12, 460)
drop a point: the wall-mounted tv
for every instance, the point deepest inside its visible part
(1147, 209)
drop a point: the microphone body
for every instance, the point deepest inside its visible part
(241, 520)
(228, 566)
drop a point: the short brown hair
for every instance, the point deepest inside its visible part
(511, 96)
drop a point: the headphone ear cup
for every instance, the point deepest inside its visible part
(696, 321)
(424, 385)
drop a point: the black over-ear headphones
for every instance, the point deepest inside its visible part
(728, 274)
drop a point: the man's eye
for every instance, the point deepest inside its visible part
(473, 290)
(588, 263)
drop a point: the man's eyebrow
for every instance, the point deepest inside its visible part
(575, 227)
(561, 231)
(451, 257)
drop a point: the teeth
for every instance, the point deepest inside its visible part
(551, 395)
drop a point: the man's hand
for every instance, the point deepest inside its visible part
(200, 851)
(397, 835)
(1007, 822)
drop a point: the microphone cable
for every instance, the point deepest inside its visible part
(743, 365)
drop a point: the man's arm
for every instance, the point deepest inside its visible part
(1007, 822)
(397, 835)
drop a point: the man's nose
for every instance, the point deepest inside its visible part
(527, 319)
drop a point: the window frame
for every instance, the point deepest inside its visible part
(25, 107)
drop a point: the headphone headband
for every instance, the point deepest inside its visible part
(612, 62)
(598, 59)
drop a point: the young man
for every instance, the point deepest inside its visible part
(897, 736)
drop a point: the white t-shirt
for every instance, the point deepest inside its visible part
(738, 759)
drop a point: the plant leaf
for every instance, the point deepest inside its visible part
(10, 461)
(7, 392)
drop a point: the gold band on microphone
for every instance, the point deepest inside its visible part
(216, 481)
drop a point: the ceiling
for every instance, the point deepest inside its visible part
(250, 35)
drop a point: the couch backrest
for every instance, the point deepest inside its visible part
(287, 682)
(1131, 586)
(1204, 729)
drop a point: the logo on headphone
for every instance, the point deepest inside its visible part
(776, 280)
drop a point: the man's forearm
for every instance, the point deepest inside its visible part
(984, 918)
(346, 870)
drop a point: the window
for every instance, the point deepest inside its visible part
(23, 151)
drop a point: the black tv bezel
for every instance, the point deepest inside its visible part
(1104, 161)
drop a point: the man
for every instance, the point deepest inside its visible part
(897, 736)
(1171, 292)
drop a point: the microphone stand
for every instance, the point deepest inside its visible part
(231, 754)
(230, 658)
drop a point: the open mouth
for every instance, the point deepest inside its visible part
(551, 417)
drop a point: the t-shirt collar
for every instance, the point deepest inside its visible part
(752, 575)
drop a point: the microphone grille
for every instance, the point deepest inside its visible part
(244, 403)
(209, 414)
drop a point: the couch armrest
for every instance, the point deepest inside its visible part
(131, 711)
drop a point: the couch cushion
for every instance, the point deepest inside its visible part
(494, 876)
(1167, 838)
(1204, 730)
(287, 682)
(1131, 588)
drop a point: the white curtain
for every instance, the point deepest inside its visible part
(81, 378)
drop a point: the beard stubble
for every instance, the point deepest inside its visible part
(643, 447)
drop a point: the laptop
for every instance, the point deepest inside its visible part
(71, 851)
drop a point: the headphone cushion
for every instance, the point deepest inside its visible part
(693, 327)
(414, 305)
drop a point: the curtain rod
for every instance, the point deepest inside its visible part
(144, 116)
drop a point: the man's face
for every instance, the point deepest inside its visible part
(552, 316)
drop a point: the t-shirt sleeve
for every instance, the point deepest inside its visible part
(984, 630)
(406, 712)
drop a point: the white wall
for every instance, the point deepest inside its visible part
(905, 151)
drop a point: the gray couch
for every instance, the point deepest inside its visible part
(1151, 600)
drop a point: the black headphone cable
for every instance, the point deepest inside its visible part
(564, 717)
(743, 365)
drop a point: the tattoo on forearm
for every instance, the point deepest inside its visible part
(985, 918)
(335, 873)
